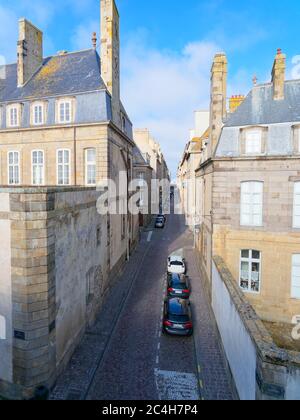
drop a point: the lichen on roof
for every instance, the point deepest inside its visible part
(52, 67)
(59, 75)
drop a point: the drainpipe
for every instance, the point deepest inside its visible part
(75, 156)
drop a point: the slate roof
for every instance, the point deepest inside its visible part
(259, 107)
(138, 158)
(59, 75)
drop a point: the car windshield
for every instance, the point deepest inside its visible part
(178, 318)
(178, 284)
(178, 263)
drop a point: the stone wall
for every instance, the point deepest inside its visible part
(261, 370)
(275, 239)
(52, 280)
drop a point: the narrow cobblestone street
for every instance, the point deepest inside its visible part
(126, 357)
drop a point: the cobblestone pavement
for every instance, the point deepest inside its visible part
(125, 356)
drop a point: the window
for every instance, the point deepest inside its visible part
(296, 276)
(63, 167)
(141, 187)
(13, 168)
(2, 328)
(13, 116)
(296, 210)
(250, 268)
(38, 114)
(90, 167)
(38, 167)
(65, 112)
(252, 203)
(253, 145)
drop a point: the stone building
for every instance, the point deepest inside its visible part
(63, 131)
(152, 153)
(190, 161)
(248, 184)
(143, 174)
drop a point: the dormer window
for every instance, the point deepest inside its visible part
(13, 115)
(253, 142)
(65, 111)
(38, 113)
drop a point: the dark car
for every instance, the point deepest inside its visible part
(178, 286)
(177, 317)
(160, 222)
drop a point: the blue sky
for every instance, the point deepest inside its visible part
(167, 48)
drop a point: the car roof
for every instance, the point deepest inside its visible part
(177, 278)
(178, 306)
(176, 258)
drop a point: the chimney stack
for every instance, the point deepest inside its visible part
(110, 54)
(30, 51)
(218, 99)
(235, 102)
(278, 76)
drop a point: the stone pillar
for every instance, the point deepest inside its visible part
(217, 99)
(110, 54)
(30, 51)
(33, 291)
(278, 76)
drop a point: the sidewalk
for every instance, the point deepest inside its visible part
(214, 378)
(75, 381)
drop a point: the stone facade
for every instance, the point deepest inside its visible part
(60, 256)
(275, 166)
(186, 176)
(55, 275)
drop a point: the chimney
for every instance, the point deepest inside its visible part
(110, 54)
(235, 102)
(30, 51)
(278, 76)
(217, 99)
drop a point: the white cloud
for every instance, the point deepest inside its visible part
(161, 89)
(82, 36)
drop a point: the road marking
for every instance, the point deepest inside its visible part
(158, 347)
(176, 386)
(201, 384)
(157, 360)
(149, 236)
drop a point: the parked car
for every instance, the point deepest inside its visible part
(160, 223)
(178, 286)
(176, 265)
(177, 317)
(162, 216)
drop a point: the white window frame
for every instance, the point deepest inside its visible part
(252, 205)
(14, 165)
(253, 151)
(64, 102)
(296, 206)
(38, 105)
(141, 177)
(13, 121)
(88, 164)
(63, 165)
(250, 261)
(38, 165)
(295, 266)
